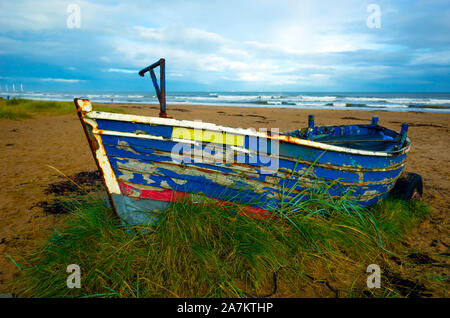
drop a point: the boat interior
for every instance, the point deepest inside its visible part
(371, 137)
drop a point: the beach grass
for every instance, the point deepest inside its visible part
(18, 108)
(212, 250)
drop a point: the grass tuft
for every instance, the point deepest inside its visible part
(19, 108)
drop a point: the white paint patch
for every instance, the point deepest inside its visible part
(370, 193)
(122, 144)
(164, 184)
(179, 181)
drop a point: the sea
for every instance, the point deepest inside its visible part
(407, 102)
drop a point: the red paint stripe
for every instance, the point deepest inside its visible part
(173, 195)
(163, 195)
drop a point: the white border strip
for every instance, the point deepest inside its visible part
(103, 161)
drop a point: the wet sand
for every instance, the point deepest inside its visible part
(29, 147)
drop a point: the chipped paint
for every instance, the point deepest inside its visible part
(248, 171)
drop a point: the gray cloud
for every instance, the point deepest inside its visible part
(288, 45)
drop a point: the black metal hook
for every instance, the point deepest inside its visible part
(160, 91)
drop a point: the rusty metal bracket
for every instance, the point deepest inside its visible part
(160, 91)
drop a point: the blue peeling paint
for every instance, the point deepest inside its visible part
(367, 178)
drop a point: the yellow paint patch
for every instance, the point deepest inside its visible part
(208, 136)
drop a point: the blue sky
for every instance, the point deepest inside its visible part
(246, 45)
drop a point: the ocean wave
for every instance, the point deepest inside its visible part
(317, 98)
(418, 101)
(388, 101)
(429, 106)
(366, 99)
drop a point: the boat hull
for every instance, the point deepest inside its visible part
(149, 162)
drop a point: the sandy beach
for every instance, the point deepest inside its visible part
(29, 148)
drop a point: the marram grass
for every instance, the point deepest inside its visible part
(210, 250)
(19, 108)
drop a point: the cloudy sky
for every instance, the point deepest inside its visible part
(244, 45)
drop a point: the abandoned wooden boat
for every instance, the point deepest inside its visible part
(148, 162)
